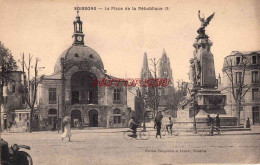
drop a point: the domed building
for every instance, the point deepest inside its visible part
(81, 89)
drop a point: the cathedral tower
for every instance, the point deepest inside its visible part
(145, 73)
(165, 72)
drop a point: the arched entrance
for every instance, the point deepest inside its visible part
(52, 118)
(82, 89)
(93, 118)
(75, 117)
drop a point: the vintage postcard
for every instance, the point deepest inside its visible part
(129, 82)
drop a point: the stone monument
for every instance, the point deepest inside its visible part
(204, 98)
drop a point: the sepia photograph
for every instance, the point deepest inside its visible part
(118, 82)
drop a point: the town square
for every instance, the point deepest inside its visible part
(108, 146)
(139, 83)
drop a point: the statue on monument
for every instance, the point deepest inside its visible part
(198, 70)
(195, 71)
(204, 22)
(188, 99)
(192, 73)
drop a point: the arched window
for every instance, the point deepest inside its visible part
(82, 90)
(117, 116)
(52, 112)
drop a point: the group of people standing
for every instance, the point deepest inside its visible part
(210, 123)
(158, 124)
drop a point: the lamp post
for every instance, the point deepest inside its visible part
(58, 115)
(194, 106)
(63, 67)
(144, 108)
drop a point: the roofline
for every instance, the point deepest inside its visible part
(233, 53)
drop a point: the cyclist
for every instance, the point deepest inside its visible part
(133, 126)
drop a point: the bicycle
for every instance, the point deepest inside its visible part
(164, 131)
(206, 129)
(144, 135)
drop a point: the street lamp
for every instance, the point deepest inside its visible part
(144, 113)
(194, 106)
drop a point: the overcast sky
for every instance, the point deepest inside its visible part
(45, 28)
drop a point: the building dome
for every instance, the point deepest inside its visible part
(77, 53)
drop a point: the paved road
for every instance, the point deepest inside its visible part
(109, 147)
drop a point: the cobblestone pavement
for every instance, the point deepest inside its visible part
(102, 146)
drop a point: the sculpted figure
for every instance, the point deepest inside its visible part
(188, 99)
(204, 22)
(197, 70)
(192, 73)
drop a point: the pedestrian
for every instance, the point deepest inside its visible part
(158, 124)
(170, 124)
(67, 132)
(247, 123)
(218, 123)
(10, 125)
(210, 124)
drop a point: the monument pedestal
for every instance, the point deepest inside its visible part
(183, 120)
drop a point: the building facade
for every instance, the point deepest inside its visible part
(251, 100)
(81, 89)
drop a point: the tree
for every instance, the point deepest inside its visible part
(153, 94)
(238, 88)
(176, 96)
(7, 64)
(30, 82)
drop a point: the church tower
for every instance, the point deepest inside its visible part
(78, 35)
(145, 74)
(165, 72)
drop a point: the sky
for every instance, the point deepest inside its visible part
(44, 29)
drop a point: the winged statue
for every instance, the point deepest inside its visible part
(204, 22)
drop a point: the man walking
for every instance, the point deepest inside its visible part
(218, 123)
(169, 125)
(210, 123)
(158, 123)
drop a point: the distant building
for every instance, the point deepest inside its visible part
(251, 101)
(92, 105)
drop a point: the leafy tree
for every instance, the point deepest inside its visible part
(7, 64)
(176, 96)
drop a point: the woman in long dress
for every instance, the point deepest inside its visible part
(66, 132)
